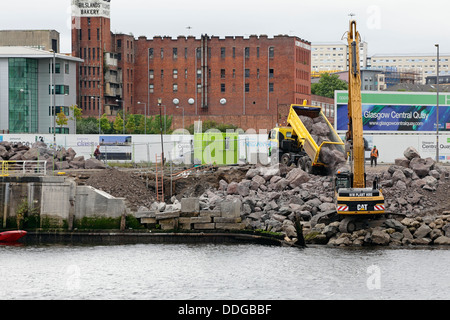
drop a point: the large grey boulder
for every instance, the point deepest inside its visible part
(411, 153)
(94, 164)
(297, 177)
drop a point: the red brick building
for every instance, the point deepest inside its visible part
(248, 82)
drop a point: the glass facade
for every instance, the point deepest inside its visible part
(23, 95)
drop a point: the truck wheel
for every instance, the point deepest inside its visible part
(308, 167)
(348, 225)
(301, 163)
(286, 159)
(274, 157)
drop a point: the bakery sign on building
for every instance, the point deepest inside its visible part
(91, 8)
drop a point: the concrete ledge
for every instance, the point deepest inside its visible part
(146, 237)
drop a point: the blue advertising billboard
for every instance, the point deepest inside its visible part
(397, 118)
(394, 112)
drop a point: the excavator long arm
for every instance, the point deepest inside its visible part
(355, 129)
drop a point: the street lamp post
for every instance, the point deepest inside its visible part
(176, 102)
(437, 104)
(123, 109)
(145, 119)
(160, 128)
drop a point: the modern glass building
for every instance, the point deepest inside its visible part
(27, 101)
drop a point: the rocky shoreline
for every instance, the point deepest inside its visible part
(273, 198)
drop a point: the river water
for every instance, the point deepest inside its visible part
(221, 272)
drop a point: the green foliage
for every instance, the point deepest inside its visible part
(105, 125)
(209, 124)
(327, 85)
(118, 124)
(26, 216)
(61, 119)
(134, 124)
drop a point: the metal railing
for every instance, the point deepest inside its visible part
(24, 167)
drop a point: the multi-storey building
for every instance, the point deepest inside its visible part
(39, 39)
(333, 57)
(422, 65)
(248, 82)
(26, 95)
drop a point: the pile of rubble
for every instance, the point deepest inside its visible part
(415, 185)
(274, 198)
(60, 159)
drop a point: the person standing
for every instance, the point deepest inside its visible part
(374, 156)
(97, 153)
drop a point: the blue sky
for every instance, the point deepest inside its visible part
(389, 26)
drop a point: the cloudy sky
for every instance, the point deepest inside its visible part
(389, 26)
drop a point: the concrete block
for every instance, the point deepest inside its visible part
(148, 220)
(231, 208)
(200, 219)
(210, 213)
(184, 220)
(185, 226)
(230, 226)
(204, 226)
(190, 205)
(167, 215)
(168, 224)
(227, 220)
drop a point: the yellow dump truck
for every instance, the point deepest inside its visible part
(308, 141)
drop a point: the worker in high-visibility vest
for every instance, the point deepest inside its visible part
(373, 156)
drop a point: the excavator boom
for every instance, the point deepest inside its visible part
(355, 124)
(353, 197)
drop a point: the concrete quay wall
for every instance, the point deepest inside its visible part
(57, 200)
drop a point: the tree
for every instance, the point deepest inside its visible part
(77, 115)
(327, 85)
(118, 124)
(131, 125)
(105, 125)
(61, 120)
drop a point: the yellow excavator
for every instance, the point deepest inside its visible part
(356, 202)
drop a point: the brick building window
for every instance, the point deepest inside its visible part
(234, 52)
(150, 53)
(271, 87)
(185, 53)
(175, 87)
(151, 88)
(151, 74)
(247, 87)
(89, 34)
(247, 73)
(257, 52)
(119, 43)
(271, 52)
(175, 73)
(270, 73)
(222, 52)
(98, 34)
(247, 52)
(162, 53)
(222, 87)
(222, 73)
(175, 53)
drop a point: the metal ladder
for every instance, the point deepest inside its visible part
(159, 178)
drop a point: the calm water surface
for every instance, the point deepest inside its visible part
(146, 271)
